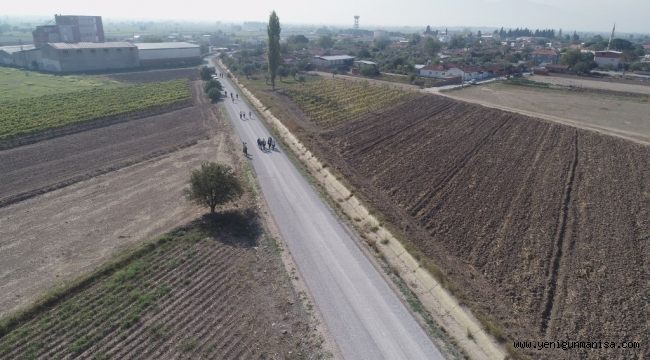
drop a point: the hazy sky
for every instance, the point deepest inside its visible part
(588, 15)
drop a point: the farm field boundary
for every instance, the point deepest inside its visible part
(506, 102)
(96, 172)
(85, 126)
(31, 116)
(444, 308)
(152, 301)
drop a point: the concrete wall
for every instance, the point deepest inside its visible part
(607, 61)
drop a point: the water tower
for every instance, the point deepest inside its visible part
(356, 21)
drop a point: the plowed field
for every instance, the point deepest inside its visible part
(210, 290)
(541, 227)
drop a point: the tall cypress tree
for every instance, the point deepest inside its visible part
(274, 46)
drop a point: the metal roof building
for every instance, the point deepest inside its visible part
(168, 53)
(20, 55)
(89, 57)
(333, 60)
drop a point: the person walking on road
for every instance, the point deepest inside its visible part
(245, 149)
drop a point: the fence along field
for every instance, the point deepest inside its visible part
(196, 293)
(31, 115)
(536, 224)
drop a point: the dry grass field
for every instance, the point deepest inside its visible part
(610, 112)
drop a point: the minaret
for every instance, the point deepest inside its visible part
(611, 37)
(356, 21)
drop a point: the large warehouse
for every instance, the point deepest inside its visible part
(168, 53)
(25, 56)
(88, 57)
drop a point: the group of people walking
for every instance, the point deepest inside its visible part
(242, 115)
(236, 96)
(263, 144)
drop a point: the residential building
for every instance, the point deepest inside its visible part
(608, 58)
(444, 71)
(545, 56)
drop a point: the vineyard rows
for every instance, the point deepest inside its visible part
(189, 295)
(26, 116)
(329, 102)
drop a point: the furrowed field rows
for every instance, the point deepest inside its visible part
(520, 217)
(27, 116)
(190, 294)
(331, 101)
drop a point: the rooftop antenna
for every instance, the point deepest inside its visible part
(356, 21)
(611, 37)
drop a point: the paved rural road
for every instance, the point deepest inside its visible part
(363, 314)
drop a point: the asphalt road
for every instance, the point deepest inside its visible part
(365, 317)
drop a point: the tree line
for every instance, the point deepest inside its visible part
(545, 33)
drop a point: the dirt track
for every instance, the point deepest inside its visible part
(66, 232)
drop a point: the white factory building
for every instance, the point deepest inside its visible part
(101, 56)
(168, 53)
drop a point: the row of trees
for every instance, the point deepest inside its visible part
(545, 33)
(212, 87)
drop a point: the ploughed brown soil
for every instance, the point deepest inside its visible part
(542, 227)
(33, 169)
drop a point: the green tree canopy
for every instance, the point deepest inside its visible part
(274, 58)
(214, 94)
(298, 40)
(213, 84)
(206, 73)
(432, 46)
(213, 184)
(325, 41)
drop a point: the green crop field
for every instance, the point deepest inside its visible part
(329, 102)
(18, 84)
(31, 115)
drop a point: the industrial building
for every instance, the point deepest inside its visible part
(76, 44)
(24, 56)
(70, 28)
(89, 57)
(168, 54)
